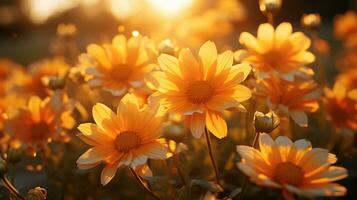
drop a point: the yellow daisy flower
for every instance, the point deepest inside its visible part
(127, 138)
(290, 98)
(41, 121)
(202, 90)
(294, 167)
(119, 66)
(277, 51)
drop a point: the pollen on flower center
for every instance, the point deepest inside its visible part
(121, 72)
(126, 141)
(39, 130)
(199, 92)
(289, 173)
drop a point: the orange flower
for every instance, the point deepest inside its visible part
(345, 25)
(39, 72)
(341, 101)
(41, 121)
(8, 71)
(348, 79)
(202, 90)
(290, 98)
(293, 167)
(127, 138)
(119, 66)
(277, 51)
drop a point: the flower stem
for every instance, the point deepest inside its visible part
(142, 184)
(12, 188)
(245, 181)
(176, 164)
(213, 161)
(270, 18)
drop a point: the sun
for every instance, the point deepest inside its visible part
(172, 6)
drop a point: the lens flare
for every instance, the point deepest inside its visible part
(172, 6)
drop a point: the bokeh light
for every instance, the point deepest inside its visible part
(171, 7)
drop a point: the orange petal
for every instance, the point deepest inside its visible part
(216, 124)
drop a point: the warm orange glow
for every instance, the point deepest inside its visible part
(170, 7)
(121, 9)
(41, 10)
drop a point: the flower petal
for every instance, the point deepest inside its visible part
(299, 117)
(108, 173)
(197, 124)
(216, 124)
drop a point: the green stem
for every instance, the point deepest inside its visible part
(213, 161)
(142, 184)
(12, 188)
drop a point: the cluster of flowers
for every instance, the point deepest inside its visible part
(151, 88)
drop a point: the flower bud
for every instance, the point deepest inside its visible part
(55, 82)
(66, 30)
(265, 123)
(3, 167)
(37, 193)
(167, 47)
(311, 21)
(174, 132)
(14, 155)
(269, 6)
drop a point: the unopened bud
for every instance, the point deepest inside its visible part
(311, 21)
(265, 123)
(167, 47)
(37, 193)
(67, 30)
(56, 83)
(174, 132)
(14, 155)
(269, 6)
(3, 167)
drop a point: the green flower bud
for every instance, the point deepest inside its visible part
(265, 123)
(14, 155)
(55, 82)
(36, 193)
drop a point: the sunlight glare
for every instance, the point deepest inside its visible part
(121, 9)
(41, 10)
(172, 6)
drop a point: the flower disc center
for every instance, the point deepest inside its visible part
(121, 72)
(199, 92)
(40, 130)
(126, 141)
(289, 173)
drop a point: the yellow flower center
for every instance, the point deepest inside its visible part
(121, 72)
(199, 92)
(39, 130)
(126, 141)
(289, 173)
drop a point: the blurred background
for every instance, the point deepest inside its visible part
(31, 25)
(33, 29)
